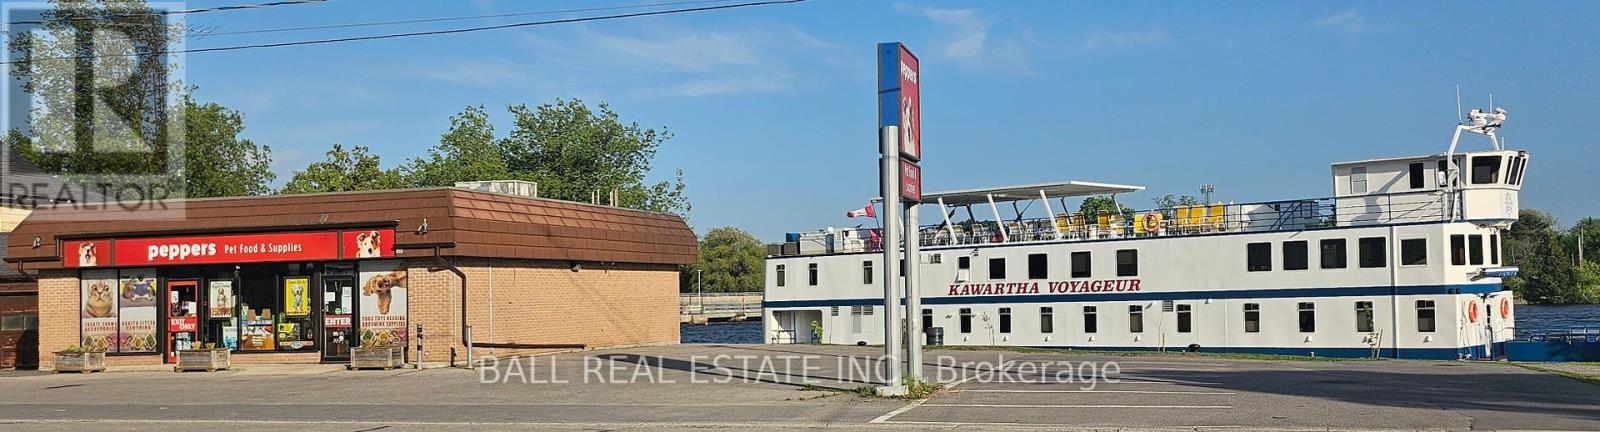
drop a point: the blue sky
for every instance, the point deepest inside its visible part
(774, 113)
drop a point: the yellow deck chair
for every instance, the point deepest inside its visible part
(1103, 221)
(1138, 224)
(1214, 215)
(1180, 217)
(1079, 227)
(1197, 217)
(1063, 224)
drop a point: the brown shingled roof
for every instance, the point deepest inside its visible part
(479, 224)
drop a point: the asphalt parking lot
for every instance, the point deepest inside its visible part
(770, 387)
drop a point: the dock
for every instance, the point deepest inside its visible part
(707, 307)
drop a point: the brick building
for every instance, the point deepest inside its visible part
(302, 278)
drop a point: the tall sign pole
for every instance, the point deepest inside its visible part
(900, 127)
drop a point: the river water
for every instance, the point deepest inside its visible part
(1531, 319)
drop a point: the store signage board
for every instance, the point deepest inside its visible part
(900, 97)
(86, 253)
(226, 249)
(230, 249)
(910, 181)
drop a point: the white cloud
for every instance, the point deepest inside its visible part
(1350, 21)
(970, 41)
(969, 31)
(693, 51)
(732, 85)
(1121, 39)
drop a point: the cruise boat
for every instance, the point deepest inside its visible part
(1403, 260)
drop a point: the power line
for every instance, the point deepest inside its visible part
(177, 12)
(435, 32)
(459, 18)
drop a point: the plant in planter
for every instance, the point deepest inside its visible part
(76, 358)
(207, 358)
(376, 352)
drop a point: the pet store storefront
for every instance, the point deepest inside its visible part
(305, 295)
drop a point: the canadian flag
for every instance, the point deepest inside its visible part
(862, 212)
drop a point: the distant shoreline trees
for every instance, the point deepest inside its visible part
(1548, 257)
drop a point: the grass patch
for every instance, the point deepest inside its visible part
(1585, 377)
(915, 390)
(1168, 354)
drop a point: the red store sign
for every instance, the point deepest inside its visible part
(229, 249)
(183, 324)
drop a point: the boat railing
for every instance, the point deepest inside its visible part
(1176, 221)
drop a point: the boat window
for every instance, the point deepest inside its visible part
(1080, 264)
(866, 272)
(1516, 169)
(966, 320)
(1486, 169)
(1358, 180)
(1128, 262)
(1091, 322)
(1296, 255)
(1047, 319)
(1494, 249)
(1252, 317)
(1184, 314)
(1522, 170)
(1308, 317)
(1364, 317)
(1416, 175)
(1414, 252)
(1373, 253)
(997, 268)
(811, 271)
(1005, 320)
(1333, 255)
(1442, 172)
(1038, 266)
(1458, 249)
(927, 319)
(1136, 318)
(1258, 257)
(781, 276)
(1425, 313)
(963, 268)
(1475, 248)
(833, 311)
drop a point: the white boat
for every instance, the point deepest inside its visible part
(1404, 260)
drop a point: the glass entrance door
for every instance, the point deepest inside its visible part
(338, 309)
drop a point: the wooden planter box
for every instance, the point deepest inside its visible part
(210, 360)
(385, 358)
(84, 362)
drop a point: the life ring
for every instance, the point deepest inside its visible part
(1472, 311)
(1505, 308)
(1152, 222)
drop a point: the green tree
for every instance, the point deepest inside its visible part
(575, 152)
(731, 260)
(217, 161)
(1585, 233)
(353, 170)
(1094, 204)
(1169, 201)
(1533, 245)
(468, 151)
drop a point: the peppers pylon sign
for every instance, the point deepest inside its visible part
(900, 104)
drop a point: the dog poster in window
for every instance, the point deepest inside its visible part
(296, 296)
(137, 310)
(219, 299)
(99, 313)
(383, 303)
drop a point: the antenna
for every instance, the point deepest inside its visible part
(1459, 118)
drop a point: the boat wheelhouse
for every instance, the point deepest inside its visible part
(1403, 260)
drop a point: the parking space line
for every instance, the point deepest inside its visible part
(916, 403)
(1097, 391)
(1080, 406)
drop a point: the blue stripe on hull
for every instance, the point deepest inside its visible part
(1370, 291)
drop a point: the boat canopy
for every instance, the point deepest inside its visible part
(1071, 188)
